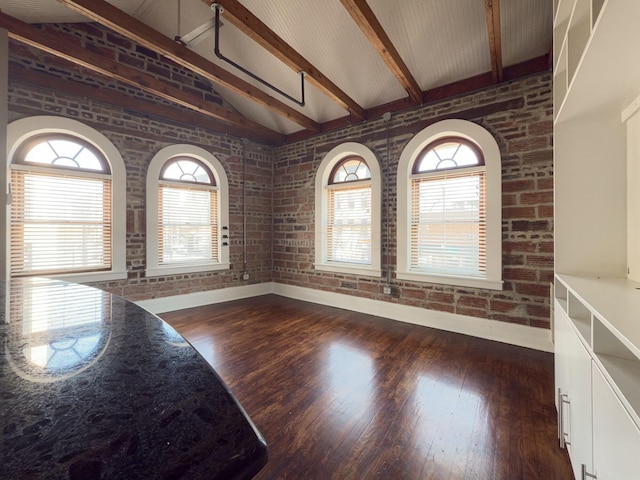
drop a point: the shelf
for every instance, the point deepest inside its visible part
(580, 316)
(596, 8)
(560, 81)
(624, 377)
(577, 36)
(605, 77)
(615, 303)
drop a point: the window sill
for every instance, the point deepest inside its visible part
(180, 269)
(451, 280)
(349, 269)
(90, 277)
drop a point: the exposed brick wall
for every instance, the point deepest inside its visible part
(98, 39)
(519, 115)
(138, 139)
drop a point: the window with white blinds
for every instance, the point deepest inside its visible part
(188, 223)
(187, 212)
(348, 212)
(348, 226)
(448, 223)
(448, 214)
(349, 223)
(61, 219)
(449, 208)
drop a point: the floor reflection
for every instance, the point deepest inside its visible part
(351, 381)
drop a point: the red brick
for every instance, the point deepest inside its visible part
(473, 302)
(533, 289)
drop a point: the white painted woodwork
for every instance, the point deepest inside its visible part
(597, 355)
(633, 197)
(573, 381)
(616, 438)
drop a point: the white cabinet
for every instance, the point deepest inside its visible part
(616, 438)
(597, 367)
(573, 387)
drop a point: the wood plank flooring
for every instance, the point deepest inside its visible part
(342, 395)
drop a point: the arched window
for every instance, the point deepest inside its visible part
(67, 201)
(187, 212)
(348, 211)
(449, 207)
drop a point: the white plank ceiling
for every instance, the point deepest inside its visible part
(440, 41)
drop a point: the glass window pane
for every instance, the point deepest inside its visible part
(447, 155)
(186, 170)
(188, 225)
(350, 170)
(65, 152)
(349, 227)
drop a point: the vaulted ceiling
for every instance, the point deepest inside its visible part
(361, 58)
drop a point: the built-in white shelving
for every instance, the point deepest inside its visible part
(597, 233)
(602, 37)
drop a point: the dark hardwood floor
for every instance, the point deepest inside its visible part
(342, 395)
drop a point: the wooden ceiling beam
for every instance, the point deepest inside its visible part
(451, 90)
(371, 27)
(492, 13)
(254, 28)
(168, 113)
(137, 31)
(62, 46)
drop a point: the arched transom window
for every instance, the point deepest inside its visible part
(61, 215)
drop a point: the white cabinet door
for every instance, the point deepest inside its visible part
(561, 333)
(573, 377)
(616, 438)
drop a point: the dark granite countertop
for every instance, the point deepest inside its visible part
(93, 386)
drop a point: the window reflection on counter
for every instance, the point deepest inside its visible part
(63, 328)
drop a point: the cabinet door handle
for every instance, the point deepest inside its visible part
(560, 433)
(586, 474)
(563, 399)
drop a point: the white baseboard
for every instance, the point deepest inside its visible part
(198, 299)
(514, 334)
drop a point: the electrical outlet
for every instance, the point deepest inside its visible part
(245, 276)
(386, 290)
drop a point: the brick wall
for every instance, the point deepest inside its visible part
(139, 138)
(519, 115)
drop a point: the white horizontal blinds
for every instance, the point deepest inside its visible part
(187, 213)
(348, 227)
(60, 221)
(349, 223)
(448, 223)
(188, 223)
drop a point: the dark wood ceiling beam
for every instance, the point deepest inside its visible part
(26, 76)
(128, 26)
(371, 27)
(254, 28)
(62, 46)
(492, 12)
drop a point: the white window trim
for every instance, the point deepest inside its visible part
(493, 164)
(154, 269)
(322, 180)
(21, 130)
